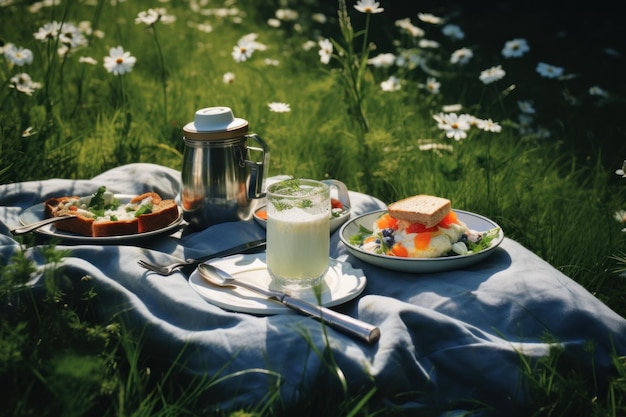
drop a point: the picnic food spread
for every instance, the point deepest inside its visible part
(436, 328)
(421, 226)
(102, 214)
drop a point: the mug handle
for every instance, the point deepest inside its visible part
(258, 170)
(342, 191)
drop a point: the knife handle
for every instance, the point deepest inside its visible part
(342, 322)
(250, 247)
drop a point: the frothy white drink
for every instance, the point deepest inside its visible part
(298, 242)
(298, 248)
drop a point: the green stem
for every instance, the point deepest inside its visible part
(94, 27)
(357, 81)
(163, 71)
(123, 93)
(364, 48)
(62, 78)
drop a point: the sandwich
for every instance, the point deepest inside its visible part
(102, 214)
(421, 226)
(423, 209)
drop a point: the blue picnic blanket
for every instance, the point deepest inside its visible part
(453, 339)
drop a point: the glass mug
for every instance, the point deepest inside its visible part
(298, 242)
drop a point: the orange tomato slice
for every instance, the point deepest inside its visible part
(448, 220)
(387, 222)
(419, 228)
(399, 250)
(421, 241)
(262, 214)
(370, 239)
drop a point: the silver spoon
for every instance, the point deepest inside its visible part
(341, 322)
(30, 227)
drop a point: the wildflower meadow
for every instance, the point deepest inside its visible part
(392, 100)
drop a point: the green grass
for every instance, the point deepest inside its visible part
(557, 195)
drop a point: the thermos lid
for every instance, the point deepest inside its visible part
(215, 123)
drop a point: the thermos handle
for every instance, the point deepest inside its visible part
(258, 170)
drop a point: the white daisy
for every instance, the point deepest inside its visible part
(432, 85)
(279, 107)
(382, 60)
(228, 78)
(488, 125)
(368, 6)
(453, 32)
(549, 71)
(455, 126)
(48, 31)
(492, 74)
(515, 48)
(119, 62)
(243, 50)
(391, 84)
(326, 50)
(461, 56)
(18, 55)
(430, 18)
(149, 17)
(24, 84)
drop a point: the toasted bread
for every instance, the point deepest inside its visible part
(142, 214)
(163, 213)
(424, 209)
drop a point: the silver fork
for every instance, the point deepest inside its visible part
(253, 246)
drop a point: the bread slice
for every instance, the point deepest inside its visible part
(424, 209)
(123, 220)
(114, 228)
(162, 214)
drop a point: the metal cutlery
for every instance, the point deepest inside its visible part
(249, 247)
(33, 226)
(344, 323)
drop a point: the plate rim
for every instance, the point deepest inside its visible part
(419, 261)
(37, 211)
(275, 308)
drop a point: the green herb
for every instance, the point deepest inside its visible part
(358, 238)
(113, 218)
(305, 203)
(484, 242)
(281, 205)
(97, 200)
(97, 204)
(294, 184)
(97, 211)
(290, 186)
(145, 209)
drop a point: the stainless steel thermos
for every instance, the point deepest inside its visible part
(222, 176)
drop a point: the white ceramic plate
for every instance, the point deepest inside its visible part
(36, 213)
(335, 222)
(341, 284)
(419, 265)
